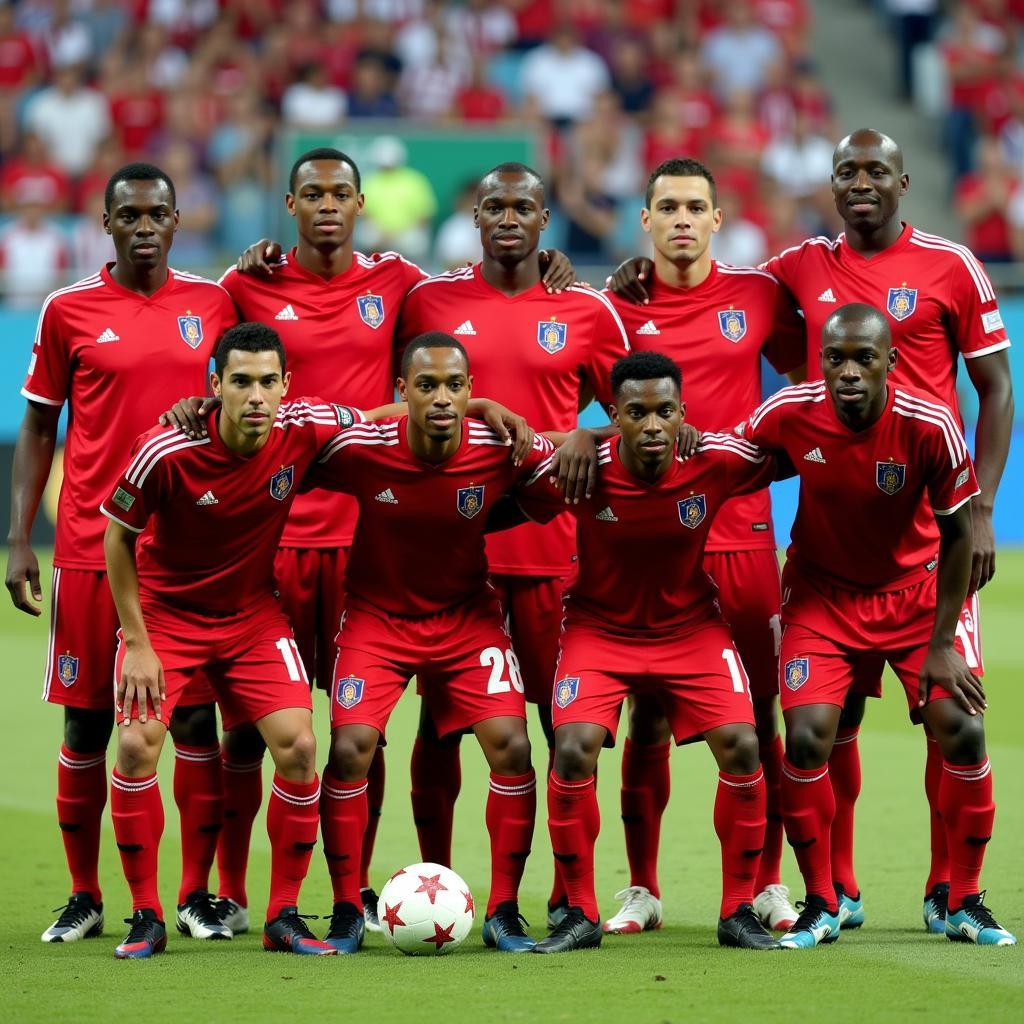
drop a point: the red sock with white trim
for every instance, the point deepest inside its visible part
(343, 814)
(769, 872)
(844, 771)
(510, 815)
(374, 800)
(808, 807)
(436, 776)
(646, 784)
(965, 798)
(138, 815)
(199, 794)
(740, 823)
(558, 890)
(292, 817)
(574, 821)
(243, 794)
(81, 797)
(938, 871)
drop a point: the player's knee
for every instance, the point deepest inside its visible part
(137, 753)
(195, 725)
(86, 732)
(574, 760)
(243, 744)
(805, 746)
(510, 754)
(299, 756)
(351, 754)
(740, 754)
(965, 742)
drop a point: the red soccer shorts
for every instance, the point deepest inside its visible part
(533, 616)
(696, 675)
(311, 585)
(463, 660)
(250, 658)
(750, 595)
(83, 644)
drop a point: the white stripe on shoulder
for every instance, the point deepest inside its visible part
(732, 444)
(970, 261)
(600, 297)
(449, 277)
(154, 450)
(85, 285)
(797, 393)
(937, 415)
(729, 268)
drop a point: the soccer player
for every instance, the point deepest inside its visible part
(430, 478)
(544, 355)
(642, 617)
(863, 585)
(939, 303)
(96, 347)
(198, 595)
(715, 321)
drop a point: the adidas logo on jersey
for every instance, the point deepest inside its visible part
(648, 328)
(827, 296)
(466, 327)
(814, 455)
(208, 499)
(286, 314)
(387, 496)
(606, 515)
(107, 335)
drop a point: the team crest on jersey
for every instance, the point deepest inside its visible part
(371, 310)
(797, 672)
(890, 476)
(566, 690)
(191, 329)
(732, 323)
(469, 500)
(281, 482)
(692, 511)
(67, 669)
(350, 691)
(551, 335)
(902, 302)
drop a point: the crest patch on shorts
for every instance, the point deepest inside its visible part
(350, 691)
(797, 672)
(566, 690)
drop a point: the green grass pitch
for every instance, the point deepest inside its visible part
(889, 970)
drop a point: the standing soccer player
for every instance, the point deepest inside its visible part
(96, 347)
(715, 321)
(865, 586)
(545, 356)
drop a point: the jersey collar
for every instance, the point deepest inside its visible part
(109, 281)
(851, 256)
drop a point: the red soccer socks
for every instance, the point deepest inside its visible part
(965, 800)
(939, 869)
(81, 797)
(199, 794)
(436, 777)
(138, 815)
(243, 793)
(343, 816)
(510, 815)
(646, 784)
(740, 824)
(292, 816)
(808, 807)
(374, 801)
(844, 771)
(574, 821)
(771, 859)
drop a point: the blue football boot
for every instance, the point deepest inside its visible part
(974, 922)
(504, 931)
(935, 904)
(816, 925)
(851, 909)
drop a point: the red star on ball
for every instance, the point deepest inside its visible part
(431, 886)
(391, 917)
(400, 871)
(441, 935)
(470, 906)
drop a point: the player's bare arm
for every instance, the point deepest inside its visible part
(990, 376)
(630, 279)
(33, 456)
(142, 675)
(943, 665)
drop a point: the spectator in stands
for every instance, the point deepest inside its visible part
(90, 246)
(371, 94)
(914, 23)
(560, 79)
(479, 28)
(137, 111)
(740, 241)
(740, 53)
(312, 102)
(428, 90)
(738, 142)
(66, 40)
(618, 143)
(197, 200)
(478, 99)
(32, 164)
(983, 198)
(458, 238)
(19, 72)
(416, 41)
(33, 252)
(801, 164)
(590, 211)
(630, 78)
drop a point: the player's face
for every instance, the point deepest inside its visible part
(867, 186)
(855, 363)
(682, 218)
(648, 414)
(142, 221)
(437, 389)
(325, 203)
(250, 390)
(510, 214)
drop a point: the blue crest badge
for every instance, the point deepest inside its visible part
(371, 310)
(470, 500)
(890, 476)
(350, 691)
(692, 511)
(902, 302)
(551, 335)
(566, 690)
(67, 669)
(732, 323)
(797, 672)
(191, 328)
(281, 482)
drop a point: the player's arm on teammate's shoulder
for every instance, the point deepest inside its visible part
(631, 279)
(557, 271)
(990, 376)
(261, 258)
(33, 457)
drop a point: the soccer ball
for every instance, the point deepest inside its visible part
(425, 910)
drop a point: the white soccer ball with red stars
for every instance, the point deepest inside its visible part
(425, 910)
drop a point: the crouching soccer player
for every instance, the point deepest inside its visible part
(198, 594)
(862, 586)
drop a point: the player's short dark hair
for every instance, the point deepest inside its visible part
(431, 339)
(858, 312)
(247, 337)
(323, 153)
(514, 167)
(681, 167)
(645, 366)
(137, 172)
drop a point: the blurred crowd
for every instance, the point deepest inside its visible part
(204, 88)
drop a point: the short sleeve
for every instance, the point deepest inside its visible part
(49, 369)
(785, 268)
(332, 467)
(762, 427)
(786, 347)
(136, 494)
(747, 467)
(609, 343)
(535, 494)
(951, 479)
(974, 318)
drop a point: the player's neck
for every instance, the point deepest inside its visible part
(870, 417)
(870, 243)
(511, 279)
(145, 281)
(682, 275)
(648, 472)
(325, 263)
(429, 449)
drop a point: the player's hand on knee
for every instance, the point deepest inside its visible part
(983, 565)
(574, 466)
(946, 668)
(189, 415)
(22, 568)
(559, 273)
(141, 683)
(686, 443)
(261, 259)
(629, 278)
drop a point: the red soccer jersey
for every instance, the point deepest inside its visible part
(533, 353)
(339, 337)
(858, 524)
(215, 516)
(118, 359)
(642, 545)
(938, 298)
(717, 333)
(419, 544)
